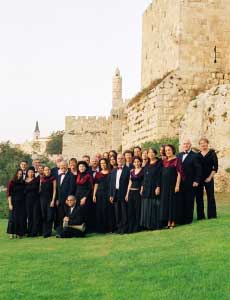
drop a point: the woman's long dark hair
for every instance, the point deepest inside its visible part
(15, 177)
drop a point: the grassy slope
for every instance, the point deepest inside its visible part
(190, 262)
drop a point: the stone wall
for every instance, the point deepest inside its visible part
(208, 115)
(157, 114)
(86, 135)
(204, 25)
(160, 40)
(182, 34)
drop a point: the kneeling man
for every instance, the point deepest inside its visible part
(73, 222)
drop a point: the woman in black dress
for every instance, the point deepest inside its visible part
(48, 186)
(170, 185)
(84, 191)
(133, 196)
(112, 162)
(209, 163)
(101, 197)
(150, 204)
(73, 166)
(32, 202)
(17, 209)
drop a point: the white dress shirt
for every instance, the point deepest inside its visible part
(185, 155)
(119, 171)
(62, 178)
(71, 209)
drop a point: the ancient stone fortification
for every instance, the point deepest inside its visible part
(179, 62)
(185, 52)
(209, 115)
(86, 135)
(89, 135)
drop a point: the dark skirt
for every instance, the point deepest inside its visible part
(134, 208)
(170, 204)
(88, 209)
(150, 213)
(17, 218)
(102, 211)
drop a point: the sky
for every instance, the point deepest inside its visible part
(57, 58)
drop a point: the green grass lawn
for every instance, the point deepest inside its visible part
(189, 262)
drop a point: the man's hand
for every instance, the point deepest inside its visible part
(195, 184)
(111, 200)
(10, 207)
(57, 203)
(66, 219)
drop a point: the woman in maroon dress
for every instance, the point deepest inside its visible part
(170, 186)
(84, 192)
(17, 209)
(101, 197)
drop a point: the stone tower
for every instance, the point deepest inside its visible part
(117, 110)
(36, 132)
(117, 90)
(187, 35)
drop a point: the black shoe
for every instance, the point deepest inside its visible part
(46, 235)
(58, 236)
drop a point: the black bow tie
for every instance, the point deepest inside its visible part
(185, 152)
(119, 168)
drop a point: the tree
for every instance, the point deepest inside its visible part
(54, 146)
(10, 159)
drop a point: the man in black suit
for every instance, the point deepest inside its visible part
(56, 170)
(118, 189)
(74, 215)
(65, 186)
(128, 154)
(192, 171)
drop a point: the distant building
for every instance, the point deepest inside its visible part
(37, 146)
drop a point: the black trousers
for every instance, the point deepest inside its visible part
(61, 214)
(71, 232)
(33, 216)
(211, 207)
(188, 199)
(120, 210)
(47, 216)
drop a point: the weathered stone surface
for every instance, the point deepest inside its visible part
(185, 53)
(209, 116)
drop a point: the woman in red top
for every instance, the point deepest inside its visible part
(170, 185)
(84, 192)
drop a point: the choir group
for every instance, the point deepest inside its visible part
(113, 193)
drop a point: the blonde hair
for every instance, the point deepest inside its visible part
(204, 140)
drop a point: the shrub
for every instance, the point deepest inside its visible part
(156, 144)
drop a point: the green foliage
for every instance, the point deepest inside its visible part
(3, 205)
(9, 161)
(189, 262)
(156, 144)
(227, 170)
(54, 146)
(44, 161)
